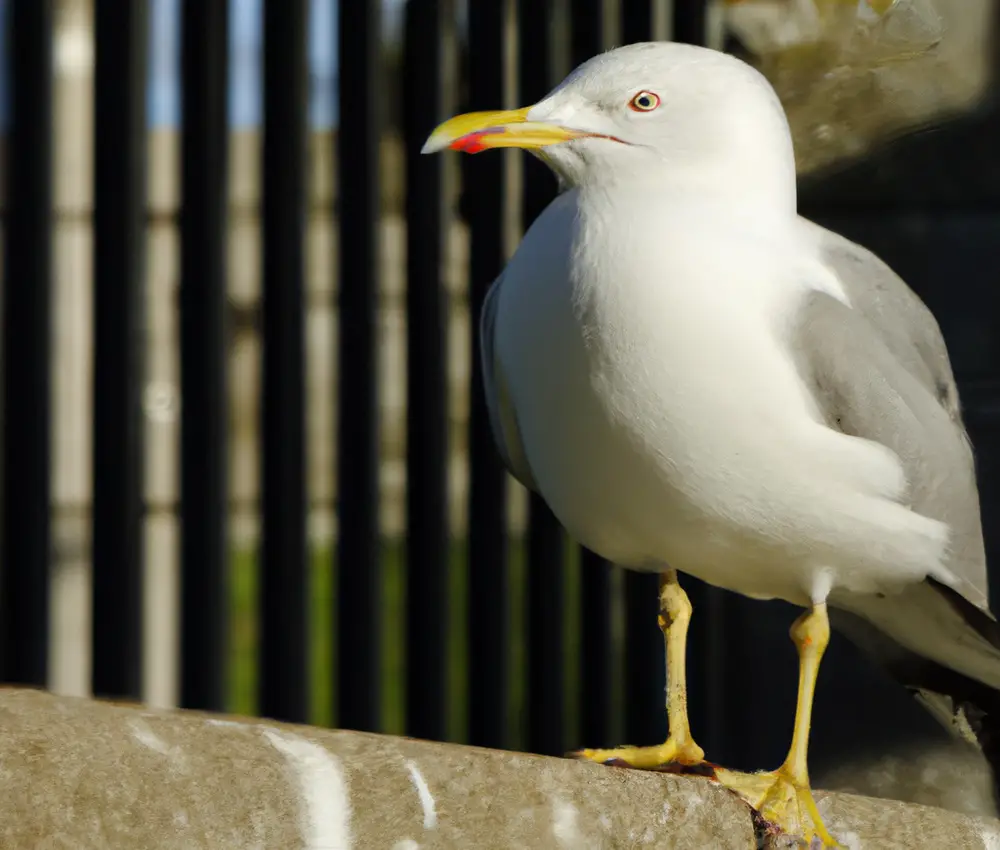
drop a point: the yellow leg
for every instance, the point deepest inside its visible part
(679, 748)
(783, 797)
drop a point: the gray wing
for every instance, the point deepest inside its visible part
(879, 370)
(503, 420)
(905, 324)
(910, 401)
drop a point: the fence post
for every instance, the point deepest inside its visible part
(484, 190)
(120, 36)
(359, 563)
(427, 98)
(205, 399)
(26, 537)
(541, 24)
(284, 578)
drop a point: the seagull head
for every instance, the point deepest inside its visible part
(649, 114)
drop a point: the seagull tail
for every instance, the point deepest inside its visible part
(969, 709)
(966, 706)
(975, 705)
(983, 717)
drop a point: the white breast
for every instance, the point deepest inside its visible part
(660, 412)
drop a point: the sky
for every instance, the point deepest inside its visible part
(164, 96)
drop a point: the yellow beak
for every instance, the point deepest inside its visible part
(478, 131)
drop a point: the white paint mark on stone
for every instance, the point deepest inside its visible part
(991, 837)
(424, 792)
(604, 821)
(326, 803)
(215, 721)
(849, 840)
(565, 826)
(693, 797)
(148, 738)
(406, 844)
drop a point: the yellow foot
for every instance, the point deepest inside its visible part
(783, 804)
(670, 752)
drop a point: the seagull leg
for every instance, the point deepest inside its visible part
(679, 748)
(783, 797)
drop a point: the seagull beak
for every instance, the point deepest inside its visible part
(478, 131)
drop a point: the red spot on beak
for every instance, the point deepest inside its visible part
(473, 143)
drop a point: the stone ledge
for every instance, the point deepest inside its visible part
(90, 775)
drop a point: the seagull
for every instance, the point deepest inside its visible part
(698, 380)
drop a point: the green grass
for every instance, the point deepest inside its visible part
(244, 636)
(242, 666)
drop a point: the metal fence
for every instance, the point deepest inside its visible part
(589, 667)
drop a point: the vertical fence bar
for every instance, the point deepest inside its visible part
(358, 558)
(597, 655)
(283, 684)
(637, 21)
(537, 74)
(428, 42)
(121, 32)
(645, 718)
(204, 410)
(484, 202)
(690, 21)
(26, 540)
(597, 644)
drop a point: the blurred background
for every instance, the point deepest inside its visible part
(246, 464)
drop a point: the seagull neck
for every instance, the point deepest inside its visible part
(758, 193)
(744, 177)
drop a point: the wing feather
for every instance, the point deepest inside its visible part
(503, 421)
(884, 374)
(879, 370)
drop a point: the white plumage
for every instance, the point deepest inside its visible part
(644, 334)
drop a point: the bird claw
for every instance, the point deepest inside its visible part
(782, 806)
(670, 756)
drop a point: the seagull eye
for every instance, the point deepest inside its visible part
(645, 101)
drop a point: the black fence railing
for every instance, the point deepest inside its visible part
(430, 57)
(585, 664)
(26, 531)
(203, 272)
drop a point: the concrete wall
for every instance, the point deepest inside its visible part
(82, 774)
